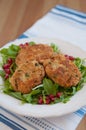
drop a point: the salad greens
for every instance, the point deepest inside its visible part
(11, 52)
(55, 48)
(46, 93)
(49, 86)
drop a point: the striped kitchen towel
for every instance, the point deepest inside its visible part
(68, 25)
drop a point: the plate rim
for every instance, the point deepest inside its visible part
(55, 114)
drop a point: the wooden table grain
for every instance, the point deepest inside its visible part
(82, 124)
(16, 16)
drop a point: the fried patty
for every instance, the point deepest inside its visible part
(27, 76)
(36, 60)
(34, 52)
(62, 71)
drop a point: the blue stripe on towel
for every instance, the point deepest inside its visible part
(80, 112)
(10, 123)
(62, 15)
(22, 36)
(83, 109)
(71, 11)
(20, 118)
(35, 121)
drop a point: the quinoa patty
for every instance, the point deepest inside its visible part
(62, 71)
(33, 52)
(27, 76)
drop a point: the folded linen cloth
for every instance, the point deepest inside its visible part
(68, 25)
(62, 23)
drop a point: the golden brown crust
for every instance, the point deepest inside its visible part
(27, 76)
(63, 71)
(36, 60)
(34, 52)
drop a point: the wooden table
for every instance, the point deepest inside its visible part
(18, 15)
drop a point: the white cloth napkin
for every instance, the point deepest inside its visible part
(62, 23)
(68, 25)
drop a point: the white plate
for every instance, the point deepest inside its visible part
(76, 102)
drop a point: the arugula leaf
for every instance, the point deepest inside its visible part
(55, 48)
(31, 96)
(2, 73)
(49, 86)
(32, 43)
(35, 92)
(11, 51)
(17, 95)
(7, 87)
(3, 51)
(74, 90)
(78, 62)
(28, 97)
(13, 68)
(57, 100)
(64, 99)
(70, 91)
(81, 64)
(44, 97)
(14, 48)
